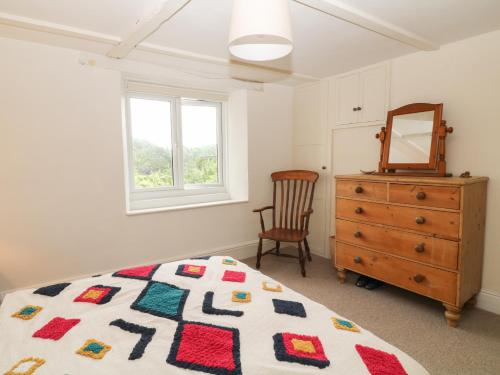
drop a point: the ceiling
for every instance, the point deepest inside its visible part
(323, 45)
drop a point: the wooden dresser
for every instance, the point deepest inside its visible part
(423, 234)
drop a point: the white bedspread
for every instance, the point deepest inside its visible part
(182, 318)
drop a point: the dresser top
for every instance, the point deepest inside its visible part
(414, 180)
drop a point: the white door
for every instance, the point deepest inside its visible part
(347, 99)
(373, 94)
(309, 144)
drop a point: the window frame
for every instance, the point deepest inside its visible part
(179, 194)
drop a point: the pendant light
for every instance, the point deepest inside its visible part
(260, 30)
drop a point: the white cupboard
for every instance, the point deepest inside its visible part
(363, 96)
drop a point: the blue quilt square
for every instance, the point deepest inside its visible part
(162, 299)
(289, 308)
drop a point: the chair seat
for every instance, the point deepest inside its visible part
(284, 235)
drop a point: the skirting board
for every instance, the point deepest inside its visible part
(489, 300)
(238, 251)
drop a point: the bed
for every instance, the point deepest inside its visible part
(211, 315)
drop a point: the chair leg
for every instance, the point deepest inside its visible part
(308, 251)
(259, 253)
(278, 244)
(302, 260)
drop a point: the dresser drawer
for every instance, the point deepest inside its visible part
(441, 223)
(426, 249)
(362, 189)
(422, 195)
(426, 280)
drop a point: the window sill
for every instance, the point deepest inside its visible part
(184, 207)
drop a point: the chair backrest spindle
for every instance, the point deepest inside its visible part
(274, 203)
(293, 193)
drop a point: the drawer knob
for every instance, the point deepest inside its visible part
(420, 248)
(358, 210)
(418, 278)
(358, 234)
(421, 195)
(357, 260)
(358, 190)
(420, 220)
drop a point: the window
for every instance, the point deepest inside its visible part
(176, 147)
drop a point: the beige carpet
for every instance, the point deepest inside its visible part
(413, 323)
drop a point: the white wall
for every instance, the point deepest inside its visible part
(465, 76)
(61, 173)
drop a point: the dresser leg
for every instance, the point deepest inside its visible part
(452, 314)
(342, 274)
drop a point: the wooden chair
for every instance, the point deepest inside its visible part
(293, 193)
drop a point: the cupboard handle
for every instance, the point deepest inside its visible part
(359, 189)
(420, 220)
(418, 278)
(358, 234)
(354, 109)
(357, 260)
(421, 195)
(358, 210)
(359, 108)
(420, 248)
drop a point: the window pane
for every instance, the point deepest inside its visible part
(152, 143)
(199, 137)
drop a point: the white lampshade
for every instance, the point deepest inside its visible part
(260, 30)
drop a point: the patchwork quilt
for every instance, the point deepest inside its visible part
(208, 315)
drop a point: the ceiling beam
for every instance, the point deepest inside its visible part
(56, 29)
(246, 69)
(63, 35)
(367, 21)
(147, 26)
(164, 75)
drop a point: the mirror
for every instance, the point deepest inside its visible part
(413, 140)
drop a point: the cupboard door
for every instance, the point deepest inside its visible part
(311, 157)
(347, 99)
(373, 94)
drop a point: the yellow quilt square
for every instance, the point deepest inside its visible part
(194, 269)
(239, 296)
(345, 325)
(93, 294)
(26, 366)
(277, 288)
(94, 349)
(303, 346)
(27, 312)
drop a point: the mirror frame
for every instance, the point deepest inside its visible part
(436, 164)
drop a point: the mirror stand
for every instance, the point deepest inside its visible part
(418, 136)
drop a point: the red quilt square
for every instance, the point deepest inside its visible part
(190, 270)
(56, 328)
(304, 346)
(307, 350)
(379, 362)
(195, 270)
(234, 276)
(98, 294)
(207, 348)
(141, 273)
